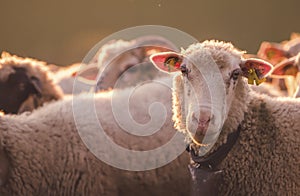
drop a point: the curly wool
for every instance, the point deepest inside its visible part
(49, 158)
(264, 160)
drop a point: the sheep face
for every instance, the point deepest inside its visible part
(126, 63)
(207, 68)
(117, 66)
(15, 87)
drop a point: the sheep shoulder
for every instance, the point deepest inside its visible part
(267, 149)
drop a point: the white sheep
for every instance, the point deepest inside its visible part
(42, 153)
(265, 159)
(289, 69)
(126, 63)
(118, 60)
(25, 84)
(283, 55)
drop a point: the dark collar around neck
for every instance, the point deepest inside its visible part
(214, 159)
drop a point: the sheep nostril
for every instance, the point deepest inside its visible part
(203, 122)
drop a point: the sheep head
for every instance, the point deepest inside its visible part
(24, 84)
(16, 86)
(128, 61)
(210, 71)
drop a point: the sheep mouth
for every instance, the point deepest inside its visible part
(202, 138)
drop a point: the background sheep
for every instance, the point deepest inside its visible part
(289, 69)
(25, 84)
(56, 162)
(118, 60)
(264, 159)
(282, 55)
(126, 63)
(66, 76)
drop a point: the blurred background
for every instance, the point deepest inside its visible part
(63, 31)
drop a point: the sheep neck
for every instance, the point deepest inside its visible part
(214, 159)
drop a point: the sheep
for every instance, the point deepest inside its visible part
(279, 54)
(264, 159)
(43, 153)
(126, 63)
(25, 84)
(269, 89)
(115, 61)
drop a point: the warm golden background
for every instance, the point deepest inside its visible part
(62, 32)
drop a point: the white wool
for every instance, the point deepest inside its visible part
(61, 156)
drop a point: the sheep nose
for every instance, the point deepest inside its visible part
(204, 118)
(203, 122)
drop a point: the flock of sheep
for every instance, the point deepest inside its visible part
(42, 153)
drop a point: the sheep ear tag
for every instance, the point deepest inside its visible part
(167, 61)
(286, 68)
(256, 70)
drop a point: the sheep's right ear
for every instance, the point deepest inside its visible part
(4, 166)
(167, 61)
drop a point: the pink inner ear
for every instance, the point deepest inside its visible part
(160, 60)
(286, 68)
(261, 67)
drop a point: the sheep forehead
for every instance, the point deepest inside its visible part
(223, 54)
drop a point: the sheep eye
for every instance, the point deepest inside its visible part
(235, 74)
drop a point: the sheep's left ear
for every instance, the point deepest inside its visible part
(256, 70)
(167, 61)
(285, 68)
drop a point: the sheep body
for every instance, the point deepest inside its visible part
(49, 158)
(264, 159)
(269, 89)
